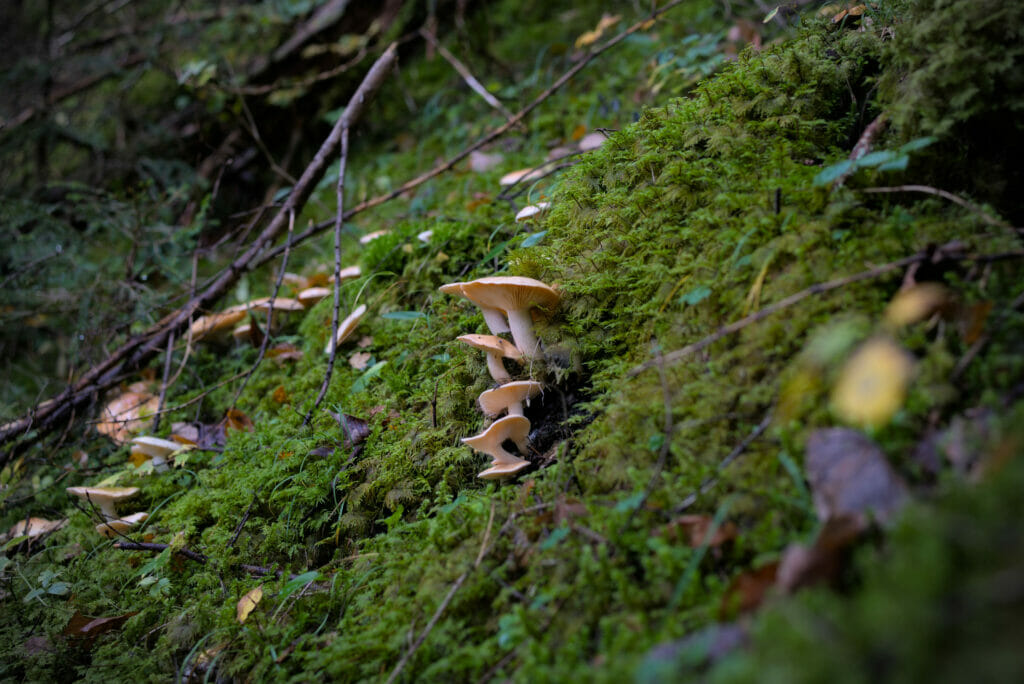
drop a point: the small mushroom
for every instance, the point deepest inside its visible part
(34, 527)
(504, 464)
(494, 318)
(591, 141)
(370, 237)
(113, 528)
(216, 325)
(532, 210)
(516, 297)
(496, 349)
(346, 327)
(510, 397)
(104, 498)
(347, 273)
(312, 295)
(155, 449)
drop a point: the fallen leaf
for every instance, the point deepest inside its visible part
(281, 395)
(747, 591)
(83, 630)
(915, 303)
(480, 162)
(578, 132)
(872, 384)
(38, 645)
(591, 37)
(126, 414)
(972, 321)
(354, 429)
(359, 360)
(236, 420)
(695, 528)
(364, 342)
(199, 435)
(284, 352)
(803, 566)
(849, 474)
(248, 602)
(256, 333)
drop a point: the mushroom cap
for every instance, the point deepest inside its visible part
(211, 324)
(34, 527)
(591, 141)
(347, 273)
(97, 494)
(346, 327)
(280, 304)
(510, 293)
(370, 237)
(531, 210)
(312, 295)
(492, 344)
(126, 413)
(493, 316)
(523, 175)
(516, 428)
(154, 447)
(494, 401)
(111, 528)
(496, 472)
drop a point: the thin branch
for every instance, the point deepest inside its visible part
(413, 183)
(955, 199)
(141, 348)
(163, 383)
(464, 72)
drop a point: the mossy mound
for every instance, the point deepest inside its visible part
(703, 211)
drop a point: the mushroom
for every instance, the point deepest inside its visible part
(34, 527)
(509, 396)
(156, 449)
(370, 237)
(104, 498)
(312, 295)
(126, 413)
(216, 325)
(347, 273)
(515, 296)
(531, 210)
(515, 428)
(112, 528)
(496, 349)
(346, 327)
(494, 318)
(591, 141)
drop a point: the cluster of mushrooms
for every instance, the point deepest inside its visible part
(507, 304)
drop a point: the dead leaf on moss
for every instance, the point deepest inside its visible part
(694, 529)
(355, 429)
(284, 352)
(849, 474)
(872, 384)
(747, 591)
(248, 602)
(822, 561)
(359, 360)
(236, 420)
(281, 395)
(83, 630)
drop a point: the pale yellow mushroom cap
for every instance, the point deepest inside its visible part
(114, 528)
(154, 447)
(312, 295)
(492, 344)
(213, 324)
(346, 327)
(510, 293)
(515, 428)
(34, 527)
(509, 396)
(494, 317)
(104, 498)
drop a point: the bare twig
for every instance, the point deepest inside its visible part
(245, 518)
(955, 199)
(863, 145)
(142, 347)
(257, 570)
(484, 548)
(413, 183)
(466, 75)
(163, 383)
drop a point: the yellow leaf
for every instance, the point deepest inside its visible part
(915, 304)
(248, 602)
(873, 383)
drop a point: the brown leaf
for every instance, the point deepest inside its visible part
(354, 429)
(284, 352)
(84, 630)
(972, 321)
(747, 591)
(236, 420)
(567, 508)
(695, 529)
(849, 474)
(281, 395)
(256, 333)
(359, 360)
(200, 435)
(802, 565)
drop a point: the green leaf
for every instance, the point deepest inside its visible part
(498, 249)
(897, 164)
(32, 594)
(771, 15)
(917, 144)
(58, 588)
(533, 239)
(630, 503)
(696, 295)
(875, 158)
(553, 538)
(404, 315)
(831, 173)
(296, 583)
(369, 374)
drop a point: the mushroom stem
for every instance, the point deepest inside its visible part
(494, 319)
(497, 368)
(521, 325)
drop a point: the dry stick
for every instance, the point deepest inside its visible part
(736, 326)
(488, 138)
(163, 383)
(141, 348)
(257, 570)
(270, 310)
(733, 455)
(955, 199)
(444, 604)
(335, 316)
(468, 77)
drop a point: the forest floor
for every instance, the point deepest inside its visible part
(779, 417)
